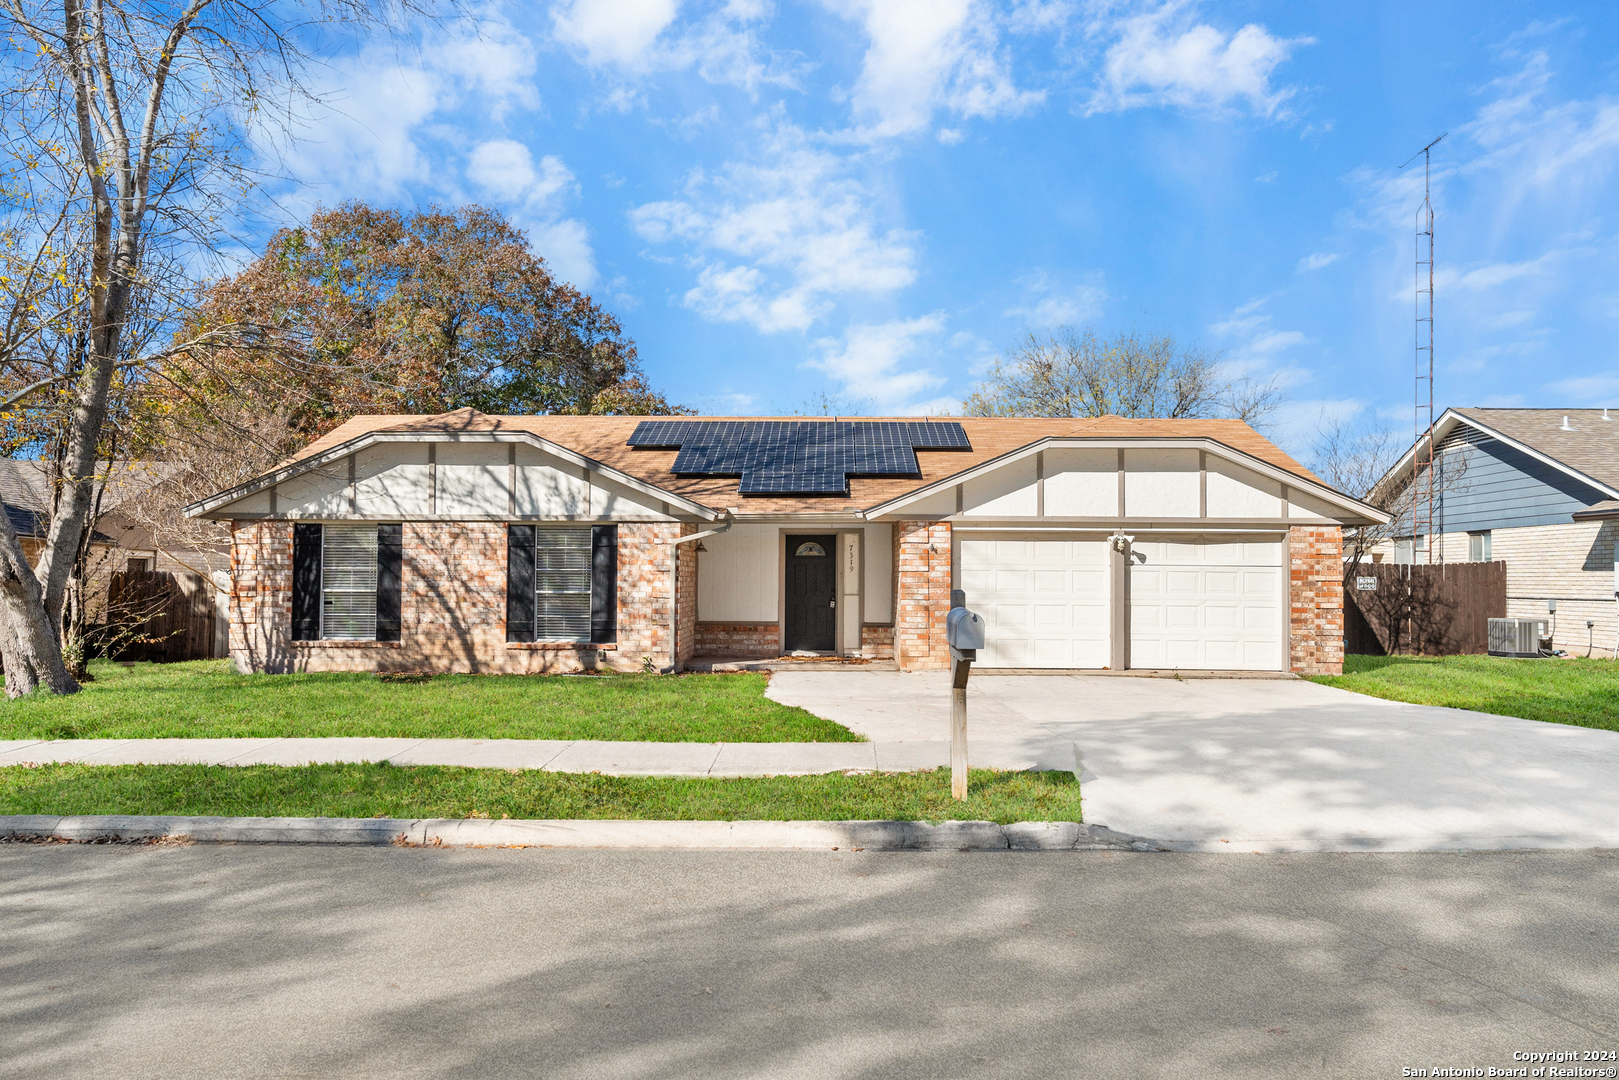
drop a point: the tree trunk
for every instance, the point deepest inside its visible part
(29, 646)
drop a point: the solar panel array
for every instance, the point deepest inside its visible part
(798, 457)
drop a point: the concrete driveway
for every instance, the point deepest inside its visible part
(1261, 765)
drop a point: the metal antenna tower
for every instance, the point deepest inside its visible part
(1422, 460)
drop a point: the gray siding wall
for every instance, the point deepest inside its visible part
(1499, 487)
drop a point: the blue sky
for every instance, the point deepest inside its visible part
(872, 200)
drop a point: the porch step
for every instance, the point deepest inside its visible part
(787, 663)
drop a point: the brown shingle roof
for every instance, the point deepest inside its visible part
(603, 438)
(1591, 448)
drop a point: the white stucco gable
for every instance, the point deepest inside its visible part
(1136, 479)
(459, 476)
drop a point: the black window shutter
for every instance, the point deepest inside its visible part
(390, 560)
(305, 582)
(519, 583)
(604, 584)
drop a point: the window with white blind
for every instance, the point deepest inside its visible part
(348, 582)
(1478, 546)
(562, 584)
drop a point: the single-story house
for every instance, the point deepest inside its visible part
(1537, 489)
(469, 542)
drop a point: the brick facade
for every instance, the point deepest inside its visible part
(877, 642)
(1316, 599)
(747, 641)
(261, 596)
(922, 579)
(453, 605)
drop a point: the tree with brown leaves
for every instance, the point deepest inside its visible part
(366, 310)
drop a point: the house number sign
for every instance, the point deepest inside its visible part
(1365, 584)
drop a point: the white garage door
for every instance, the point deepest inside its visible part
(1209, 605)
(1044, 602)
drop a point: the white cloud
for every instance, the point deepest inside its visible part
(363, 142)
(926, 55)
(1488, 277)
(565, 244)
(1275, 342)
(1161, 58)
(1507, 319)
(620, 33)
(1047, 305)
(1589, 391)
(504, 169)
(1256, 348)
(866, 362)
(1317, 261)
(949, 136)
(635, 38)
(774, 241)
(1246, 317)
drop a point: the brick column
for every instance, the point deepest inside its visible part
(261, 596)
(921, 594)
(643, 592)
(1316, 598)
(686, 596)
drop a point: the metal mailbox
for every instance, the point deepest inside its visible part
(963, 629)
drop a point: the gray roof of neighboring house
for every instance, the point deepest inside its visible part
(25, 491)
(1591, 447)
(1602, 511)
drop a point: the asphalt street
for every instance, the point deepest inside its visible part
(250, 961)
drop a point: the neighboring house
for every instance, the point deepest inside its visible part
(118, 542)
(1537, 489)
(25, 489)
(467, 542)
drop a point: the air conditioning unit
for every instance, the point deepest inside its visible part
(1519, 637)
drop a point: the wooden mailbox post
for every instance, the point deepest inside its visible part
(964, 631)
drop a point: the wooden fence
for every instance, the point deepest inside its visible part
(160, 616)
(1441, 609)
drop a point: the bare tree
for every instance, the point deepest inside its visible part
(123, 138)
(1356, 456)
(1069, 372)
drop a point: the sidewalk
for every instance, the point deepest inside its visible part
(580, 756)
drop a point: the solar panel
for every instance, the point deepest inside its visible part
(798, 457)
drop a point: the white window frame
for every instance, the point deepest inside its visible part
(1478, 546)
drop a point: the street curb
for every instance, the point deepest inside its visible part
(481, 832)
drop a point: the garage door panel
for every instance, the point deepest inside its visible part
(1258, 618)
(1051, 616)
(1206, 605)
(1045, 602)
(1013, 617)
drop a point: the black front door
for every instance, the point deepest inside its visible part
(812, 583)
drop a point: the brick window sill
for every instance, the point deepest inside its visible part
(346, 644)
(559, 646)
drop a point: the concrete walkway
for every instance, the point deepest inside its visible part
(1264, 765)
(582, 756)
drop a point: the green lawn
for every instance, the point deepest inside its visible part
(1580, 692)
(206, 699)
(445, 792)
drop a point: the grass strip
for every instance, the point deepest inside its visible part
(205, 699)
(1581, 692)
(431, 791)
